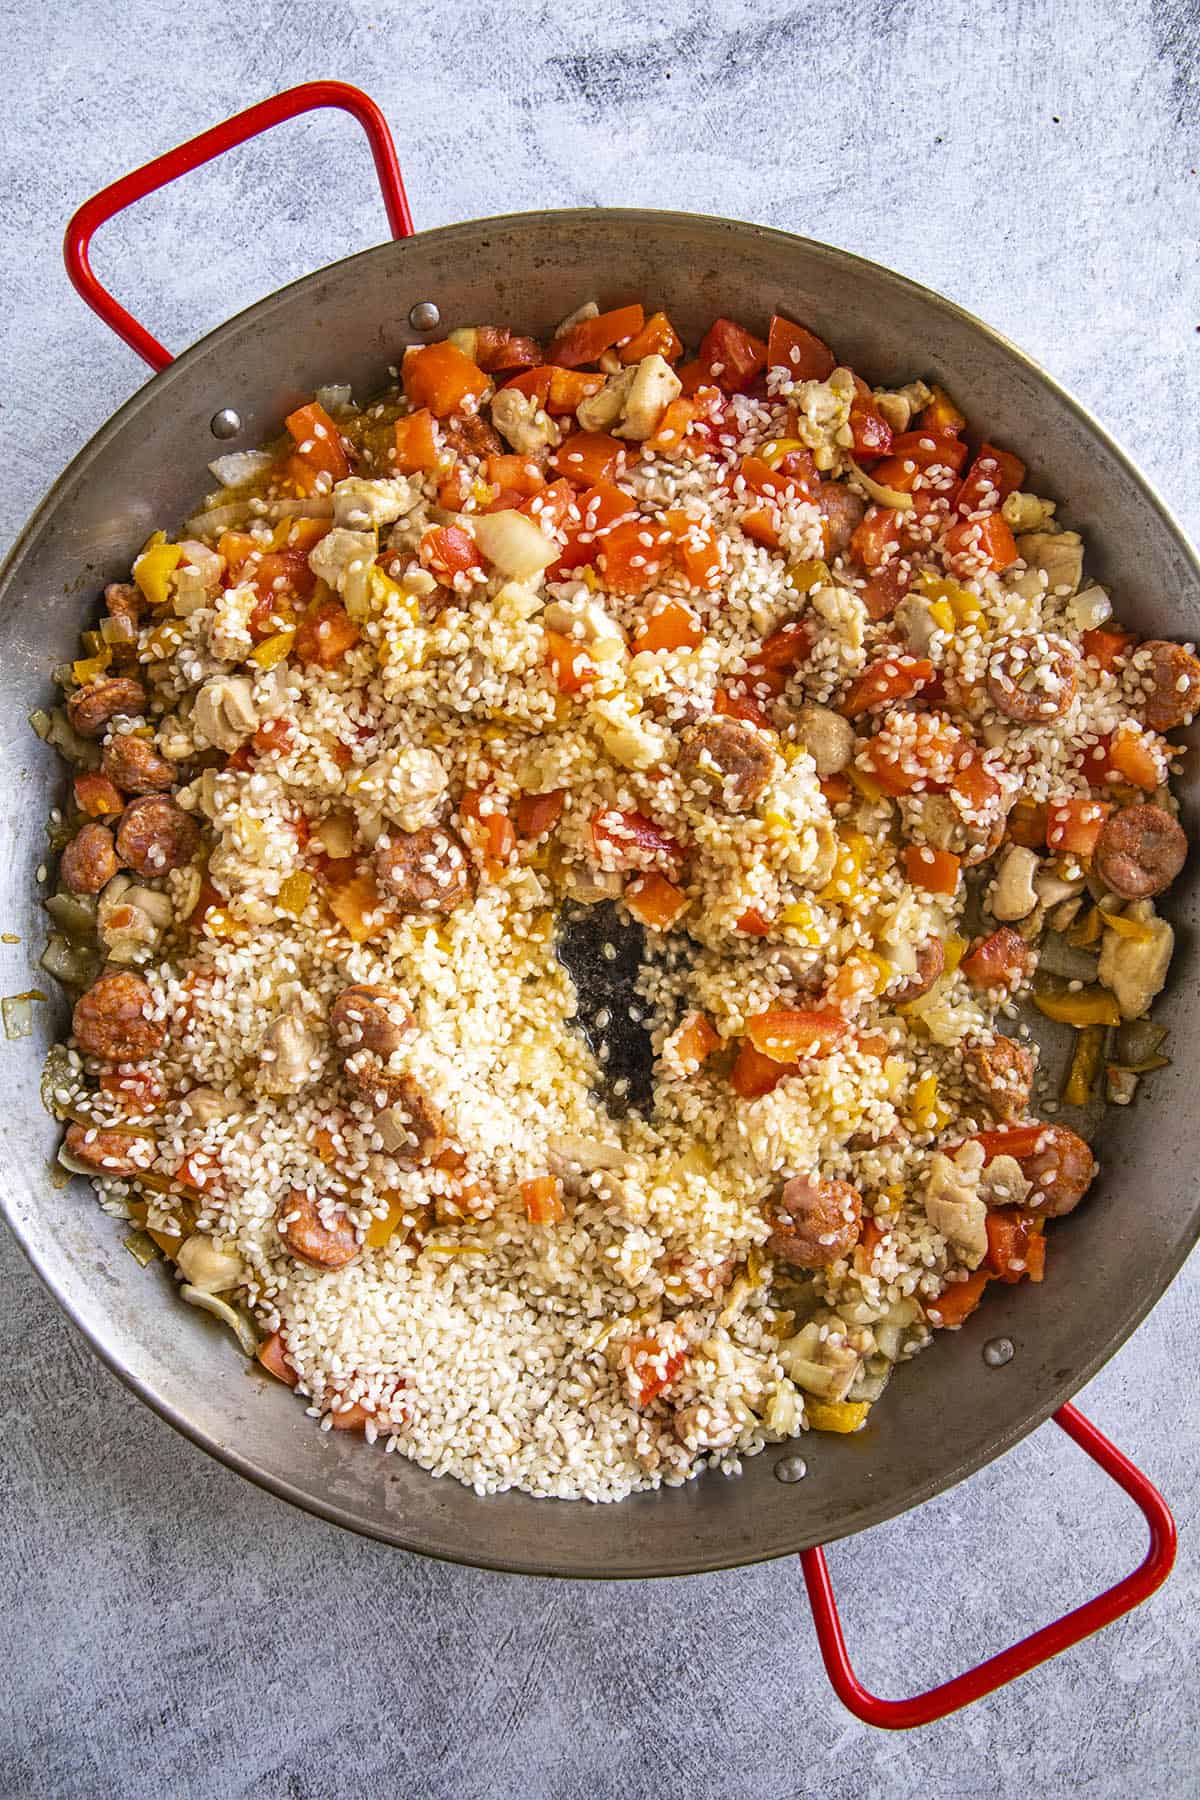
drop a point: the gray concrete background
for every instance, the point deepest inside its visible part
(167, 1629)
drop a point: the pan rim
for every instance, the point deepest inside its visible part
(1121, 1325)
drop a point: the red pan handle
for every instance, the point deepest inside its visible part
(198, 150)
(1006, 1665)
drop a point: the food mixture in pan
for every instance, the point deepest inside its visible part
(785, 698)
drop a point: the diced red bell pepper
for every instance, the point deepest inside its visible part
(272, 1354)
(886, 588)
(667, 625)
(587, 457)
(538, 814)
(416, 443)
(891, 678)
(651, 1368)
(96, 795)
(273, 736)
(941, 417)
(1073, 825)
(992, 477)
(673, 435)
(869, 430)
(1109, 646)
(488, 829)
(728, 705)
(697, 551)
(877, 538)
(318, 442)
(543, 1201)
(694, 1039)
(754, 1074)
(789, 1034)
(957, 1300)
(599, 507)
(447, 551)
(629, 841)
(1002, 960)
(761, 525)
(1012, 1233)
(552, 508)
(916, 763)
(514, 475)
(569, 663)
(585, 342)
(975, 784)
(988, 541)
(440, 377)
(324, 634)
(135, 1090)
(654, 901)
(934, 870)
(800, 477)
(731, 355)
(769, 668)
(657, 337)
(630, 564)
(754, 923)
(805, 356)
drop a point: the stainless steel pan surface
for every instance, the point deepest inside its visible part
(950, 1411)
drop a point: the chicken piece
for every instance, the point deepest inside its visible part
(1054, 563)
(287, 1055)
(953, 1206)
(523, 423)
(360, 504)
(828, 738)
(1013, 894)
(225, 713)
(655, 384)
(601, 410)
(1134, 970)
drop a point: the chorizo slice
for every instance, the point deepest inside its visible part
(424, 871)
(110, 1152)
(364, 1017)
(112, 1019)
(155, 835)
(1002, 1074)
(309, 1239)
(931, 960)
(1032, 679)
(1140, 851)
(89, 861)
(136, 766)
(1061, 1168)
(90, 708)
(731, 760)
(1168, 677)
(815, 1223)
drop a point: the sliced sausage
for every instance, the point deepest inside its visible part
(89, 860)
(815, 1223)
(321, 1246)
(842, 512)
(369, 1018)
(733, 761)
(136, 766)
(110, 1152)
(112, 1019)
(470, 435)
(1002, 1073)
(1169, 682)
(90, 708)
(124, 601)
(413, 1127)
(156, 835)
(1062, 1169)
(426, 870)
(1032, 679)
(931, 960)
(1140, 851)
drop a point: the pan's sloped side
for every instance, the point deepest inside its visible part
(945, 1415)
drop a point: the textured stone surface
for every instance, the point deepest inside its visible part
(170, 1630)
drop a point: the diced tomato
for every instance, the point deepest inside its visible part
(1127, 754)
(670, 436)
(324, 634)
(138, 1091)
(694, 1039)
(800, 477)
(731, 355)
(280, 577)
(569, 663)
(543, 1201)
(454, 488)
(497, 348)
(1002, 960)
(599, 507)
(318, 442)
(201, 1172)
(657, 337)
(992, 477)
(869, 430)
(538, 814)
(587, 457)
(514, 475)
(534, 384)
(651, 1368)
(488, 829)
(569, 388)
(915, 762)
(272, 734)
(237, 547)
(804, 355)
(761, 525)
(754, 1074)
(885, 589)
(440, 377)
(769, 667)
(891, 678)
(873, 1234)
(584, 342)
(628, 563)
(975, 784)
(754, 923)
(941, 417)
(876, 538)
(729, 705)
(96, 795)
(667, 625)
(696, 549)
(1012, 1234)
(416, 443)
(957, 1300)
(988, 541)
(630, 841)
(934, 870)
(1109, 646)
(655, 902)
(930, 450)
(447, 551)
(1017, 1141)
(272, 1354)
(1027, 824)
(1075, 824)
(552, 508)
(786, 1034)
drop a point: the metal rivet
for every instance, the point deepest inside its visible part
(998, 1351)
(226, 423)
(424, 316)
(790, 1468)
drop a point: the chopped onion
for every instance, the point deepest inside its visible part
(241, 467)
(334, 397)
(224, 518)
(1068, 961)
(513, 543)
(220, 1309)
(120, 630)
(882, 496)
(72, 964)
(140, 1246)
(17, 1013)
(74, 916)
(57, 730)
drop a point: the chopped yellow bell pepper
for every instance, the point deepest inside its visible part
(1090, 1006)
(1086, 929)
(91, 668)
(804, 576)
(842, 1416)
(941, 590)
(294, 891)
(923, 1105)
(379, 1231)
(775, 449)
(866, 784)
(1136, 930)
(882, 967)
(1084, 1072)
(942, 614)
(273, 649)
(153, 569)
(955, 949)
(800, 916)
(162, 642)
(853, 855)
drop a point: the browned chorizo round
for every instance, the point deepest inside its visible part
(1168, 677)
(931, 960)
(110, 1151)
(369, 1018)
(1140, 851)
(842, 512)
(113, 1020)
(815, 1223)
(731, 760)
(89, 861)
(135, 766)
(90, 708)
(155, 835)
(1061, 1168)
(319, 1245)
(1002, 1074)
(1032, 679)
(424, 871)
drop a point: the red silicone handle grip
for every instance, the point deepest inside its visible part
(198, 150)
(922, 1709)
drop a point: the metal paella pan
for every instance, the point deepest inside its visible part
(955, 1409)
